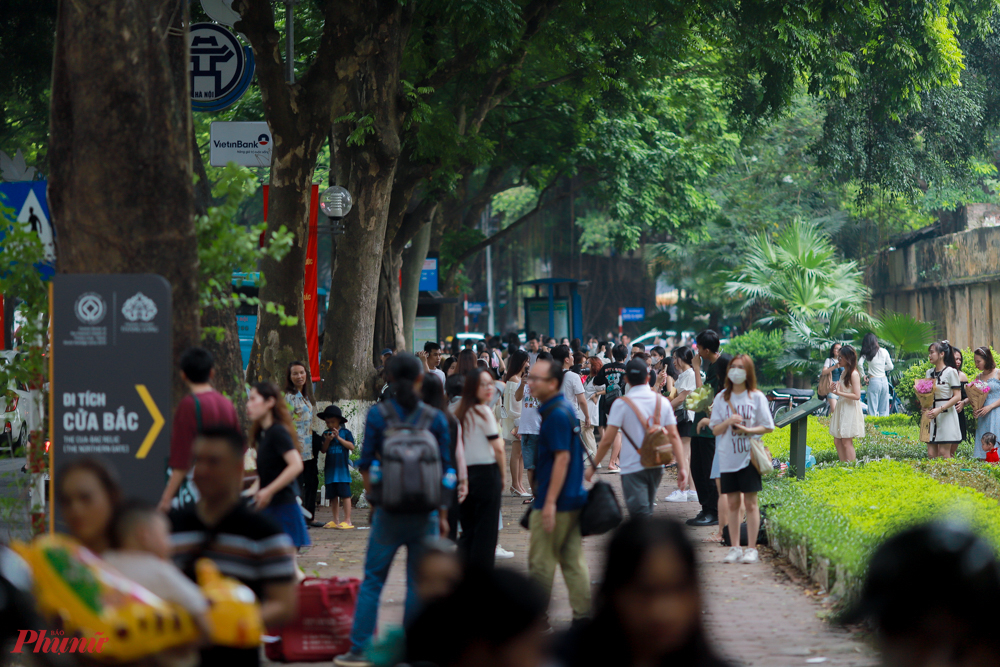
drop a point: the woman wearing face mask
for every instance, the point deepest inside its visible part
(740, 412)
(649, 609)
(88, 492)
(848, 420)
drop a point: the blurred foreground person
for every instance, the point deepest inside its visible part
(244, 544)
(931, 593)
(506, 629)
(88, 493)
(649, 605)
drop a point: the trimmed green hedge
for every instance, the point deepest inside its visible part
(843, 512)
(893, 436)
(764, 348)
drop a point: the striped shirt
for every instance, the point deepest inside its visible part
(245, 545)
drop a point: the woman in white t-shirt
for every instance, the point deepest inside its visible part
(876, 362)
(685, 384)
(484, 458)
(740, 412)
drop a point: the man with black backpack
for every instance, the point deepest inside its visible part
(559, 494)
(406, 465)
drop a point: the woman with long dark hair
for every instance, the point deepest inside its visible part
(302, 408)
(847, 420)
(960, 406)
(432, 392)
(467, 361)
(88, 493)
(878, 364)
(278, 460)
(683, 359)
(945, 428)
(484, 455)
(649, 606)
(517, 364)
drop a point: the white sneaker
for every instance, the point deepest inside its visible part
(677, 496)
(750, 556)
(735, 555)
(503, 554)
(692, 496)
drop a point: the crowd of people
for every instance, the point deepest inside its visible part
(537, 421)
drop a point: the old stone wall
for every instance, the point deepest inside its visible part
(952, 281)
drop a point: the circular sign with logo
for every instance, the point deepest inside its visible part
(221, 67)
(90, 308)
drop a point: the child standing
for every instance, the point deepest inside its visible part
(989, 443)
(338, 443)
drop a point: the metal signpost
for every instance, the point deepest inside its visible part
(797, 418)
(111, 375)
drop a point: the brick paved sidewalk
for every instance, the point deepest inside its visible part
(756, 614)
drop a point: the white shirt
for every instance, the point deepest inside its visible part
(589, 389)
(624, 418)
(733, 449)
(479, 430)
(531, 418)
(878, 366)
(572, 386)
(686, 382)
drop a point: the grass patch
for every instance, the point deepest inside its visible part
(843, 512)
(895, 437)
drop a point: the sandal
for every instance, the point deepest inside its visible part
(528, 501)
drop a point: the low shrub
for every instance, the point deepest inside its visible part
(884, 437)
(764, 348)
(982, 477)
(844, 512)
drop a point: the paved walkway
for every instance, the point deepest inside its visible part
(764, 614)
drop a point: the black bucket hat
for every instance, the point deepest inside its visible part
(331, 411)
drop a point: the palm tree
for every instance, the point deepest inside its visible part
(798, 276)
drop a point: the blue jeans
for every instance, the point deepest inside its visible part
(878, 397)
(389, 533)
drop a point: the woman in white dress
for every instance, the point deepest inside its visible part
(945, 428)
(848, 420)
(516, 365)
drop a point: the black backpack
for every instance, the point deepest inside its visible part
(411, 463)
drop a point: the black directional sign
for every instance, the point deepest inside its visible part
(112, 370)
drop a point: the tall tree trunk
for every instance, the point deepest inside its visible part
(120, 187)
(413, 264)
(389, 313)
(366, 170)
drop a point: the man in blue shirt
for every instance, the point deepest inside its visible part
(559, 492)
(390, 531)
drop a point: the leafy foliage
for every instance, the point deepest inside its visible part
(905, 335)
(764, 347)
(225, 247)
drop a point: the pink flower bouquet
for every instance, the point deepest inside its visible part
(925, 394)
(976, 391)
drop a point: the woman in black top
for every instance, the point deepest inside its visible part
(649, 605)
(278, 460)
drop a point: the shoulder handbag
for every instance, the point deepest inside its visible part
(602, 511)
(825, 380)
(760, 459)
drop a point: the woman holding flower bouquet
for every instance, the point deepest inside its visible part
(984, 396)
(945, 430)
